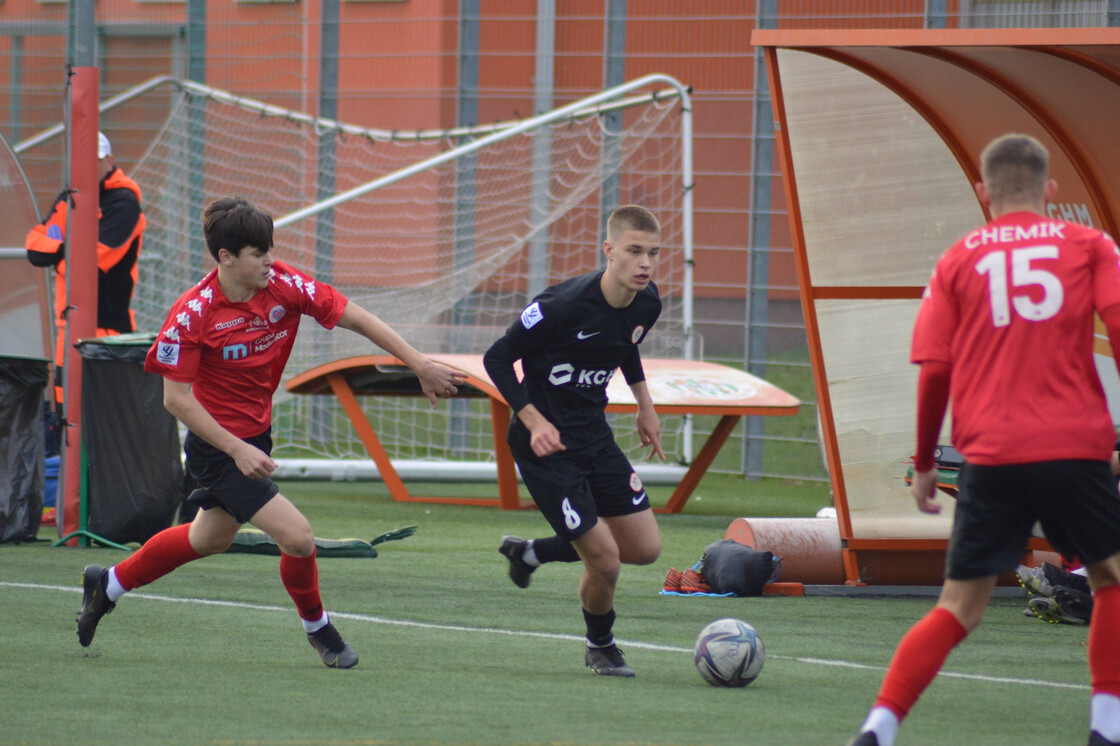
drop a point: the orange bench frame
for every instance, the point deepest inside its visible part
(385, 375)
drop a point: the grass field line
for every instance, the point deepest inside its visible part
(548, 636)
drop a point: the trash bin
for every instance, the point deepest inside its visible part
(22, 479)
(130, 442)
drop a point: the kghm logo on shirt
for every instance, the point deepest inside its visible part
(565, 372)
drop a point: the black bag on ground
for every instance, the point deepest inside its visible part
(731, 567)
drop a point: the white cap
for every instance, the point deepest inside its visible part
(103, 147)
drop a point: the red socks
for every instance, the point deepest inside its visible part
(1104, 642)
(300, 576)
(160, 555)
(918, 658)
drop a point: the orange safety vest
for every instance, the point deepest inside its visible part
(40, 240)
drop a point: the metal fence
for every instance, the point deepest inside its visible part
(408, 65)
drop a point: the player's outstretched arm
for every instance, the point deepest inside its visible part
(436, 380)
(179, 400)
(649, 424)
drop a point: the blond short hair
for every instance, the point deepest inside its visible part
(631, 218)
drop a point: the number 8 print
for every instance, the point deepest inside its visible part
(571, 517)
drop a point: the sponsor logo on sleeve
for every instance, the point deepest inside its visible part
(531, 315)
(168, 353)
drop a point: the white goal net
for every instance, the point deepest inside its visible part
(444, 235)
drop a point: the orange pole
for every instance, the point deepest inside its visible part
(507, 468)
(81, 272)
(368, 437)
(700, 464)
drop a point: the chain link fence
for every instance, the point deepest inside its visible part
(408, 65)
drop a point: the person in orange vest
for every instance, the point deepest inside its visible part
(120, 234)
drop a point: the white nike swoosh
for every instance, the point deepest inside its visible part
(638, 499)
(581, 335)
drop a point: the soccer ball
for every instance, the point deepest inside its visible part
(729, 653)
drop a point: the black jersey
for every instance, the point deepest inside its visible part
(571, 341)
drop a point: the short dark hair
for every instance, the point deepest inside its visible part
(631, 218)
(232, 223)
(1015, 167)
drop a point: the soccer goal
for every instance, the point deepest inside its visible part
(443, 234)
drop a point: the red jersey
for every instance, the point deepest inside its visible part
(234, 354)
(1010, 308)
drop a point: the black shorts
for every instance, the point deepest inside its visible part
(574, 488)
(1075, 501)
(226, 487)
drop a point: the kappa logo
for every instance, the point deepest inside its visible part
(584, 335)
(230, 323)
(168, 353)
(532, 315)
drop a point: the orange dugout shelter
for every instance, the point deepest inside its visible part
(879, 134)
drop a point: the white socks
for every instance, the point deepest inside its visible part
(884, 723)
(113, 589)
(529, 557)
(1104, 716)
(311, 627)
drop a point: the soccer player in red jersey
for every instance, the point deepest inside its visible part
(222, 351)
(1036, 437)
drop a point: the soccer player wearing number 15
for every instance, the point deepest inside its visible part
(1005, 330)
(570, 340)
(221, 353)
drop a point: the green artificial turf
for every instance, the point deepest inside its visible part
(452, 653)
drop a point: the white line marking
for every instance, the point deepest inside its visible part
(548, 636)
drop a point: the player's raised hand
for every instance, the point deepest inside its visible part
(438, 381)
(923, 488)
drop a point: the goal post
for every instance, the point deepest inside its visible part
(428, 229)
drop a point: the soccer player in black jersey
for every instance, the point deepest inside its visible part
(570, 341)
